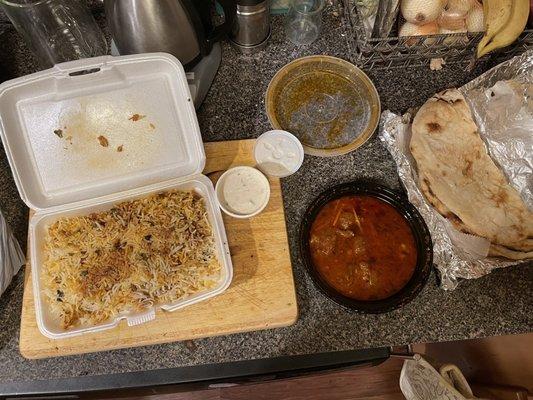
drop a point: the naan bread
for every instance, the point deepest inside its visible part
(502, 251)
(494, 250)
(461, 181)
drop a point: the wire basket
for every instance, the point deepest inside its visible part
(414, 51)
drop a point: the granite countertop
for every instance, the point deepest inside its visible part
(497, 304)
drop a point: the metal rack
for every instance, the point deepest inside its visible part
(414, 51)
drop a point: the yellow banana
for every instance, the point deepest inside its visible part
(510, 31)
(497, 13)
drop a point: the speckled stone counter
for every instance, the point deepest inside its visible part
(494, 305)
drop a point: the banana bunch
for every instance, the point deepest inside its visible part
(504, 22)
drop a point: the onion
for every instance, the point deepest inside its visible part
(451, 20)
(454, 39)
(475, 21)
(444, 31)
(421, 12)
(409, 29)
(460, 7)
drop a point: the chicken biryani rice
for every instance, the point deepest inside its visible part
(149, 251)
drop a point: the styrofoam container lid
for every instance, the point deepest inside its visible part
(92, 127)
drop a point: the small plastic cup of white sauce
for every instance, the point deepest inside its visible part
(242, 192)
(278, 153)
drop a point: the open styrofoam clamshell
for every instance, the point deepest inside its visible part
(87, 134)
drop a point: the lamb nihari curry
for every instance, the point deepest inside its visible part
(363, 248)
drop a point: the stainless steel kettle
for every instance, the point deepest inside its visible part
(183, 28)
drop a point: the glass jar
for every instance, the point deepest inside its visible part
(56, 30)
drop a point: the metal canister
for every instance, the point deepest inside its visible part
(251, 29)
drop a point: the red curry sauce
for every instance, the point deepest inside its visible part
(363, 247)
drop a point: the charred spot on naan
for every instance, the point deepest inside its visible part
(449, 96)
(455, 220)
(433, 127)
(426, 185)
(454, 101)
(432, 198)
(467, 170)
(500, 197)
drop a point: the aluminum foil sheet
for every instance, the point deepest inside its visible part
(456, 254)
(502, 104)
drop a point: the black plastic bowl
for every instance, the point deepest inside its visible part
(418, 227)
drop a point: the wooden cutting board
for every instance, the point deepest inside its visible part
(261, 295)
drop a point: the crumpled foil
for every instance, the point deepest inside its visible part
(456, 254)
(502, 104)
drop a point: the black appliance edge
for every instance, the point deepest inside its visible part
(206, 374)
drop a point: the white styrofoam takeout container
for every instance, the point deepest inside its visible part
(61, 177)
